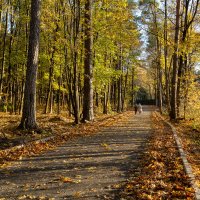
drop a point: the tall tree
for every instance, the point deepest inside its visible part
(158, 58)
(173, 113)
(190, 9)
(88, 113)
(119, 83)
(28, 120)
(3, 53)
(167, 81)
(75, 34)
(70, 50)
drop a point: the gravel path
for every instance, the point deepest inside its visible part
(87, 168)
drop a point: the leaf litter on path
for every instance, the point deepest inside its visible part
(81, 130)
(162, 175)
(69, 180)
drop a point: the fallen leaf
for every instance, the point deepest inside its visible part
(66, 180)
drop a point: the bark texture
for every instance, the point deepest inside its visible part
(88, 113)
(28, 120)
(173, 113)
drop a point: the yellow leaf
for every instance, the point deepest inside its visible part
(69, 180)
(129, 186)
(66, 180)
(106, 146)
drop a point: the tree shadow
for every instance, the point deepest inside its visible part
(101, 162)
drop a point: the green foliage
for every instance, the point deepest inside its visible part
(103, 76)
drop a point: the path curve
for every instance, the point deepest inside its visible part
(85, 168)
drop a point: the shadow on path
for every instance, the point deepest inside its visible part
(84, 168)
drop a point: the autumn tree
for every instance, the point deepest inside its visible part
(173, 113)
(172, 34)
(190, 10)
(84, 56)
(28, 120)
(88, 113)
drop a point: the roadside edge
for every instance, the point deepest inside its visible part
(186, 164)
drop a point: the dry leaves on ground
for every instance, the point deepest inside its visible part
(190, 138)
(162, 175)
(64, 132)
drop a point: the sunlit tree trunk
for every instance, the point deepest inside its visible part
(9, 72)
(173, 113)
(158, 61)
(3, 53)
(187, 22)
(49, 102)
(125, 90)
(119, 84)
(88, 113)
(167, 80)
(132, 87)
(59, 92)
(24, 65)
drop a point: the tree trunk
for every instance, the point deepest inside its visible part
(105, 105)
(119, 83)
(3, 55)
(59, 92)
(132, 87)
(24, 66)
(119, 99)
(50, 89)
(125, 90)
(166, 59)
(21, 96)
(158, 61)
(173, 113)
(184, 55)
(115, 95)
(88, 113)
(97, 100)
(76, 8)
(76, 94)
(28, 120)
(9, 76)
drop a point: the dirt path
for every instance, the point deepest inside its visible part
(85, 168)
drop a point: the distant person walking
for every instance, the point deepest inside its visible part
(136, 108)
(139, 108)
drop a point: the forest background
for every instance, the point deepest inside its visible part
(95, 58)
